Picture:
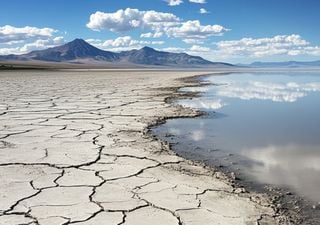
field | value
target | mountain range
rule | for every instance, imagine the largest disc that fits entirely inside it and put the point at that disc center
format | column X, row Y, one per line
column 287, row 64
column 79, row 52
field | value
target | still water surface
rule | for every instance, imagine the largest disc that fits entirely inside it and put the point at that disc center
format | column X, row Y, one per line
column 270, row 121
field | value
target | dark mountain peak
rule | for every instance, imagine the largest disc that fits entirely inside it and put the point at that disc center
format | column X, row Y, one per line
column 147, row 49
column 78, row 40
column 74, row 50
column 78, row 44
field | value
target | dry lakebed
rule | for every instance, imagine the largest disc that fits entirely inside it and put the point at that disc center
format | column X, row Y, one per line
column 76, row 148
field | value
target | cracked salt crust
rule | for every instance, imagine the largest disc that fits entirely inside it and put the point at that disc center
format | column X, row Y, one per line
column 73, row 149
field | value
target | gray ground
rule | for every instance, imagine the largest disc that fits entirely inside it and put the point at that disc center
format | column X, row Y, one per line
column 73, row 149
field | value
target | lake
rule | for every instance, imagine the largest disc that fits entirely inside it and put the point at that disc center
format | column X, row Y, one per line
column 265, row 125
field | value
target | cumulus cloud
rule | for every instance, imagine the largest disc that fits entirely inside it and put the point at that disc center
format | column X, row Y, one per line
column 173, row 49
column 174, row 2
column 203, row 11
column 197, row 48
column 129, row 19
column 198, row 1
column 193, row 41
column 42, row 44
column 151, row 35
column 247, row 49
column 193, row 50
column 146, row 35
column 121, row 43
column 193, row 29
column 10, row 34
column 291, row 45
column 32, row 46
column 20, row 40
column 155, row 23
column 12, row 50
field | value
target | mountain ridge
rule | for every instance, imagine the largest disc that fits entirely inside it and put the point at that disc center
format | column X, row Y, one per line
column 283, row 64
column 79, row 51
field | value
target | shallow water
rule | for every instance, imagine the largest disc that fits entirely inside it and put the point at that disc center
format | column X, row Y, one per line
column 266, row 124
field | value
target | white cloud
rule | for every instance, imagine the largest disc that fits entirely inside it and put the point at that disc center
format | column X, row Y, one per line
column 193, row 29
column 121, row 43
column 277, row 48
column 151, row 35
column 291, row 45
column 32, row 46
column 42, row 44
column 193, row 50
column 129, row 19
column 8, row 51
column 9, row 34
column 198, row 1
column 193, row 41
column 203, row 11
column 197, row 48
column 174, row 2
column 146, row 35
column 173, row 49
column 22, row 40
column 156, row 24
column 157, row 34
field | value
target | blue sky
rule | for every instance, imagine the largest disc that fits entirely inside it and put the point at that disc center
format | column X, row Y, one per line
column 226, row 30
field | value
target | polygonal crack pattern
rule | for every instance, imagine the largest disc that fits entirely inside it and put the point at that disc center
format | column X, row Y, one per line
column 73, row 150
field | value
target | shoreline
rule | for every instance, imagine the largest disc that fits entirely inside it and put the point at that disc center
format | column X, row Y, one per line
column 81, row 152
column 193, row 81
column 296, row 208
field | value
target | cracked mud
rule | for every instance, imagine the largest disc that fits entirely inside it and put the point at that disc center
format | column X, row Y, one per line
column 74, row 150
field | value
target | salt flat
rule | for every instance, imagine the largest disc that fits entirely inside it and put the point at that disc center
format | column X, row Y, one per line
column 74, row 148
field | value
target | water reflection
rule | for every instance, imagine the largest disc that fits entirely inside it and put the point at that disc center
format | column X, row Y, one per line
column 212, row 104
column 294, row 165
column 270, row 120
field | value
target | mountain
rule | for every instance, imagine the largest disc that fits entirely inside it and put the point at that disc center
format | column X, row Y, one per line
column 288, row 64
column 149, row 56
column 79, row 51
column 74, row 50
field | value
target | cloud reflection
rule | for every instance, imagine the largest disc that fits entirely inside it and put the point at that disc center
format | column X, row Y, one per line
column 203, row 103
column 276, row 92
column 247, row 90
column 296, row 166
column 197, row 135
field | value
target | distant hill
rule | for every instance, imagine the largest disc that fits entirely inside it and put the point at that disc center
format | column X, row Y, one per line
column 79, row 51
column 288, row 64
column 150, row 56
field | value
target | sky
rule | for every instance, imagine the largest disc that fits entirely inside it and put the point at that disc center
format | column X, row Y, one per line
column 235, row 31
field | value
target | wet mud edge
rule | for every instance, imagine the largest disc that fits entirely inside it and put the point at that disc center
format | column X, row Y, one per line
column 295, row 209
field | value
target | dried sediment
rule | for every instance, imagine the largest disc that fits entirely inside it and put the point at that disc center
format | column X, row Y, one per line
column 74, row 149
